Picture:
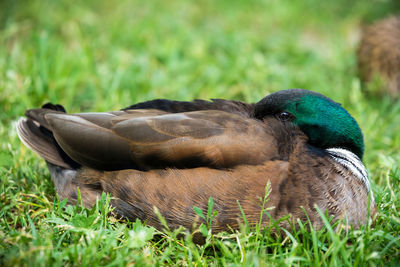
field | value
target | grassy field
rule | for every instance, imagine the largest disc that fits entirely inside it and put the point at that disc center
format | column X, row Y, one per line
column 100, row 55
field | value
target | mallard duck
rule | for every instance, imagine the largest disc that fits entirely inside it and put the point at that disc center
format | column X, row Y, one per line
column 175, row 155
column 379, row 54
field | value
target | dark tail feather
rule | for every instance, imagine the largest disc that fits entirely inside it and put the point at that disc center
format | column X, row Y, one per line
column 38, row 114
column 34, row 132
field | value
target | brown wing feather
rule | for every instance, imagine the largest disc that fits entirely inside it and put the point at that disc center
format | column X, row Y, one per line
column 90, row 144
column 201, row 138
column 150, row 140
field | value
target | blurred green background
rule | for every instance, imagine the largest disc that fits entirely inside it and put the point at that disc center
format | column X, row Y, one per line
column 99, row 55
column 109, row 54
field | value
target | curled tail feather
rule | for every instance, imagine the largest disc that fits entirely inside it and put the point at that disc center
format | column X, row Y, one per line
column 34, row 133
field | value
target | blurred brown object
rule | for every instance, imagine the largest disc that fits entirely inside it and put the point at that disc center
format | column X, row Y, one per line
column 378, row 54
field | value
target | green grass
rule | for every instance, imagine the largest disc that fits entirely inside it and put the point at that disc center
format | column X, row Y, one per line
column 103, row 55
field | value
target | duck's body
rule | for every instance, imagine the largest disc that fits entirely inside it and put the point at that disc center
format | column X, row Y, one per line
column 379, row 54
column 176, row 155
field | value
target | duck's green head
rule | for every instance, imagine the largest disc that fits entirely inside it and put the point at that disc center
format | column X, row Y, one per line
column 326, row 123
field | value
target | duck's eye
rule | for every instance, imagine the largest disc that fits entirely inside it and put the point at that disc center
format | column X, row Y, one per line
column 284, row 116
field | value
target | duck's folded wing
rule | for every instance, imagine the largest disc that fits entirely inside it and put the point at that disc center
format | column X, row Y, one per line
column 146, row 139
